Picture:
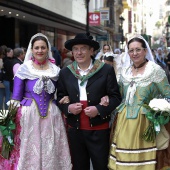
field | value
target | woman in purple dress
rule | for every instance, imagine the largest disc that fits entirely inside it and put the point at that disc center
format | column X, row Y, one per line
column 40, row 141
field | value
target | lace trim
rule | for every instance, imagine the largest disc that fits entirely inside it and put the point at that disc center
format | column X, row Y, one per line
column 44, row 83
column 152, row 73
column 27, row 71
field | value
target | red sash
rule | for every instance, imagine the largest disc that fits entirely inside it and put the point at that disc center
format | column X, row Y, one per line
column 85, row 122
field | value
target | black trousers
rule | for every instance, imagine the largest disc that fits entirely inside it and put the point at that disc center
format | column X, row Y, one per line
column 89, row 144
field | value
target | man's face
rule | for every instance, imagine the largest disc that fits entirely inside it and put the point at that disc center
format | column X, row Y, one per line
column 82, row 53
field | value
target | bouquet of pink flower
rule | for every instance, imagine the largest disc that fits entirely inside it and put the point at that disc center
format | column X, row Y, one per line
column 158, row 114
column 7, row 126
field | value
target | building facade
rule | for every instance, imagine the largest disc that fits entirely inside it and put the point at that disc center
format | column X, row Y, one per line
column 59, row 20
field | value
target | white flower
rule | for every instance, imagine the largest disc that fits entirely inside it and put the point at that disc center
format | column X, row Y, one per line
column 159, row 104
column 3, row 114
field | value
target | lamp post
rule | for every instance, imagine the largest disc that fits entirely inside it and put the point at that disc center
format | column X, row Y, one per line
column 87, row 16
column 121, row 29
column 167, row 34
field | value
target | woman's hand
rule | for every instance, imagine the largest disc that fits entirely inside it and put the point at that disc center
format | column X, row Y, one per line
column 104, row 101
column 64, row 100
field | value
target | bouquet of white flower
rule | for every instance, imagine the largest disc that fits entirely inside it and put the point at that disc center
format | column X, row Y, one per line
column 159, row 114
column 7, row 126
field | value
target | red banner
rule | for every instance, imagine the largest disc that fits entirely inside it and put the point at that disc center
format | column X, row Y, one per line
column 94, row 18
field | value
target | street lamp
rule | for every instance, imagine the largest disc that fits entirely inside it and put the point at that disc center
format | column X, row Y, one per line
column 87, row 16
column 167, row 34
column 121, row 29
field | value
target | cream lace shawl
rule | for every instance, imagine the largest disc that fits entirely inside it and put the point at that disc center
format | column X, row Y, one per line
column 152, row 73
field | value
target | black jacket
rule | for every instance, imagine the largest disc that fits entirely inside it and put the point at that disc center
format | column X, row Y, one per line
column 99, row 85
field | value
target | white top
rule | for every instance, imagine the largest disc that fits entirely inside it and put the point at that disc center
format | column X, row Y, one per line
column 82, row 89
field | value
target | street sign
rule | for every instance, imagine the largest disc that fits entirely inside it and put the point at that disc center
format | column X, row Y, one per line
column 101, row 37
column 104, row 14
column 94, row 18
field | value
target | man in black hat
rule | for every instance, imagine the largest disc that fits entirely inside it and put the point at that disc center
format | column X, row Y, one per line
column 86, row 81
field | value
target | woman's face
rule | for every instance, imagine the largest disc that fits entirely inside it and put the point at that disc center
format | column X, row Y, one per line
column 137, row 53
column 106, row 48
column 40, row 50
column 10, row 53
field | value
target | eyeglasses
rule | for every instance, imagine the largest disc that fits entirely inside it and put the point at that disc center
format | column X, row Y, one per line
column 82, row 49
column 137, row 50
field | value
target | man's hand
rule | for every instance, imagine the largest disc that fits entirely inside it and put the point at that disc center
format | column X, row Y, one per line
column 75, row 108
column 91, row 111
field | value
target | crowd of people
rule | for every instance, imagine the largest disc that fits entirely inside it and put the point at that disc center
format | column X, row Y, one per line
column 84, row 108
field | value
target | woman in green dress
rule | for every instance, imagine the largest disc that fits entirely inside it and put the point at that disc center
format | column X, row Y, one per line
column 139, row 83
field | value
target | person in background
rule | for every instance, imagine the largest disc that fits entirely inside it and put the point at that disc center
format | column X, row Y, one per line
column 165, row 53
column 18, row 58
column 4, row 49
column 2, row 87
column 68, row 60
column 139, row 83
column 168, row 62
column 63, row 55
column 160, row 58
column 105, row 48
column 164, row 66
column 86, row 81
column 40, row 140
column 120, row 61
column 24, row 50
column 109, row 58
column 117, row 51
column 56, row 56
column 154, row 55
column 8, row 74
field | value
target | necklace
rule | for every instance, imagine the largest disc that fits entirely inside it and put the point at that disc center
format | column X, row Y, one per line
column 40, row 64
column 141, row 65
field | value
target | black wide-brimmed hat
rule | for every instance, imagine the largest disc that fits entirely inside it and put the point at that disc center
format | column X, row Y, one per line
column 82, row 38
